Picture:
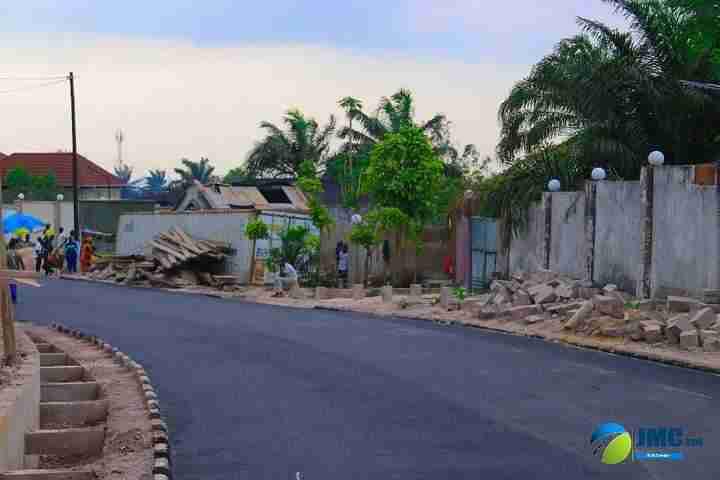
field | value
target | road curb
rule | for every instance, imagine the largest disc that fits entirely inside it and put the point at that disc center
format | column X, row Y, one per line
column 140, row 287
column 587, row 345
column 160, row 437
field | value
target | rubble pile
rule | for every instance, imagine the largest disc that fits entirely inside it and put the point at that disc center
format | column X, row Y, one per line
column 177, row 260
column 587, row 310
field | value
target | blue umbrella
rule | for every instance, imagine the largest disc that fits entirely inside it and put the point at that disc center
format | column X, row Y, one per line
column 20, row 220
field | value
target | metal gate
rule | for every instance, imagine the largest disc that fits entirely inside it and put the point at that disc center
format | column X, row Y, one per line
column 483, row 245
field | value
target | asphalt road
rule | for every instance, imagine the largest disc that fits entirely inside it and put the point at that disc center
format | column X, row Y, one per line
column 260, row 392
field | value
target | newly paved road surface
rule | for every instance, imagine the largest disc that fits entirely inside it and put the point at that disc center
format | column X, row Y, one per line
column 260, row 392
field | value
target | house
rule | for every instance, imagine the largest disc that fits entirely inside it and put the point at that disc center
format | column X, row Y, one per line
column 263, row 196
column 95, row 183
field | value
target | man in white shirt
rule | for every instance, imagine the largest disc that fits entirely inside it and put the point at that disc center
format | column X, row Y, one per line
column 288, row 280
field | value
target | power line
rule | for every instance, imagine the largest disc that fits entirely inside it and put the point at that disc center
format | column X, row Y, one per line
column 32, row 87
column 21, row 78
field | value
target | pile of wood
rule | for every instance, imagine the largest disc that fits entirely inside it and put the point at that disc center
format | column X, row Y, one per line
column 177, row 260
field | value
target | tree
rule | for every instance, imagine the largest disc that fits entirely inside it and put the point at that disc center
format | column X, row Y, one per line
column 281, row 153
column 405, row 175
column 201, row 171
column 255, row 230
column 366, row 235
column 615, row 96
column 124, row 172
column 34, row 187
column 236, row 175
column 311, row 186
column 18, row 179
column 156, row 181
column 705, row 19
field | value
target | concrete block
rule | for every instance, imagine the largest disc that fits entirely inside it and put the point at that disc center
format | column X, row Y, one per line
column 75, row 414
column 416, row 290
column 566, row 291
column 519, row 313
column 486, row 314
column 387, row 294
column 533, row 319
column 588, row 293
column 296, row 292
column 358, row 291
column 445, row 295
column 647, row 305
column 563, row 308
column 580, row 316
column 711, row 343
column 690, row 339
column 680, row 304
column 703, row 319
column 711, row 296
column 609, row 306
column 614, row 331
column 521, row 299
column 62, row 374
column 546, row 294
column 45, row 348
column 69, row 392
column 676, row 326
column 321, row 293
column 66, row 442
column 161, row 466
column 53, row 359
column 55, row 474
column 610, row 288
column 651, row 332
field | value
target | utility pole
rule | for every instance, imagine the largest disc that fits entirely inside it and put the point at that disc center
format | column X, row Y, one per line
column 76, row 189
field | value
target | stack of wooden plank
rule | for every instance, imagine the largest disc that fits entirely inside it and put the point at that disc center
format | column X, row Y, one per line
column 176, row 260
column 175, row 249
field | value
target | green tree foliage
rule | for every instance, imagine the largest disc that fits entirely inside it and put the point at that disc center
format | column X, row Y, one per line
column 615, row 96
column 237, row 174
column 366, row 235
column 34, row 187
column 257, row 230
column 704, row 20
column 405, row 173
column 312, row 187
column 281, row 153
column 201, row 171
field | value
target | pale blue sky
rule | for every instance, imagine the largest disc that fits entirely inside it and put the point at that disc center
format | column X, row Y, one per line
column 189, row 77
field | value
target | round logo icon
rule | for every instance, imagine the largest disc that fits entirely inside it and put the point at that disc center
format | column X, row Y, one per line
column 612, row 442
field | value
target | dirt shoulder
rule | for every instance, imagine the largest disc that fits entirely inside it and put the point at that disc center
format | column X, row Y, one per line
column 550, row 329
column 127, row 453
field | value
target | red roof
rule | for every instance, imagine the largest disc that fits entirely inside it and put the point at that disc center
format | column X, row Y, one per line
column 60, row 164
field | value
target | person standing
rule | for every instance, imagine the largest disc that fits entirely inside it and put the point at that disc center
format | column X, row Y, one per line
column 343, row 258
column 86, row 254
column 71, row 253
column 38, row 253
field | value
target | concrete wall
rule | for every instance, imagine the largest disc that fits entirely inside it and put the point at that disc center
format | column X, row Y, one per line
column 136, row 229
column 568, row 248
column 526, row 251
column 686, row 233
column 618, row 234
column 20, row 410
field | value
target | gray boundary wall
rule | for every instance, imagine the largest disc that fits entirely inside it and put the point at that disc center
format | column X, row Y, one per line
column 618, row 234
column 686, row 237
column 568, row 247
column 685, row 242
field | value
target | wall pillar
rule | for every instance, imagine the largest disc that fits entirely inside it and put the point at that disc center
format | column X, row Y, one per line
column 590, row 228
column 647, row 185
column 548, row 228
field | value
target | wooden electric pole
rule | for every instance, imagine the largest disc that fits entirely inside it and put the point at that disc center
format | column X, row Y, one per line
column 76, row 189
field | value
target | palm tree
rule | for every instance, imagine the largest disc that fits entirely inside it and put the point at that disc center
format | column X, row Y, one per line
column 201, row 171
column 124, row 172
column 614, row 96
column 282, row 152
column 156, row 181
column 352, row 107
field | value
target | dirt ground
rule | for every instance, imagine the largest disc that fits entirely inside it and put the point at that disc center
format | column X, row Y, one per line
column 127, row 453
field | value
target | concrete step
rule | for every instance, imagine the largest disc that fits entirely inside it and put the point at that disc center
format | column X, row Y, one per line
column 69, row 392
column 62, row 374
column 75, row 414
column 48, row 475
column 46, row 348
column 53, row 359
column 65, row 442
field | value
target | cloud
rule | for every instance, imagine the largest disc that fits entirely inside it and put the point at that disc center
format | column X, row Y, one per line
column 173, row 99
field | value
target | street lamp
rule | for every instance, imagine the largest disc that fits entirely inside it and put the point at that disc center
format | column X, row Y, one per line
column 356, row 219
column 656, row 158
column 598, row 174
column 21, row 196
column 554, row 185
column 60, row 197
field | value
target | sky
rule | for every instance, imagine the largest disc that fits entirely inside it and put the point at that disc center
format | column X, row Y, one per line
column 184, row 78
